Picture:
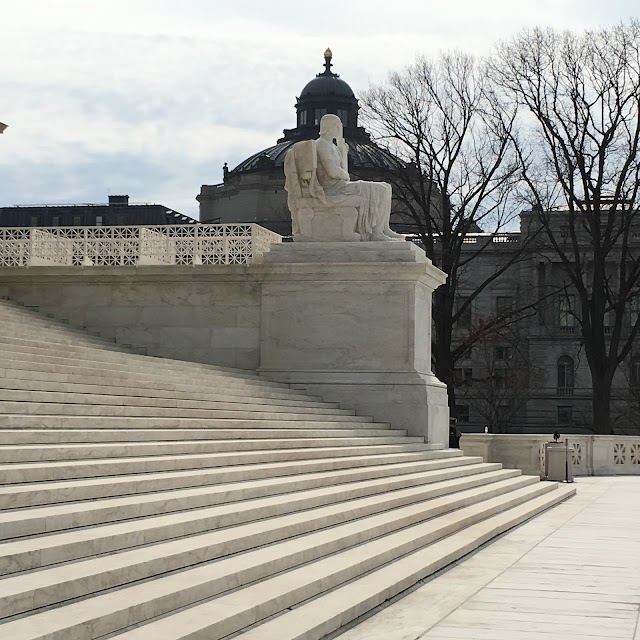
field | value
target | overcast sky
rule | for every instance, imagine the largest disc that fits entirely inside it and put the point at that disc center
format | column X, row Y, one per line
column 150, row 97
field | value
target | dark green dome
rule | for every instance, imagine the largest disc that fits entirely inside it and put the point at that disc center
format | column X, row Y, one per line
column 324, row 86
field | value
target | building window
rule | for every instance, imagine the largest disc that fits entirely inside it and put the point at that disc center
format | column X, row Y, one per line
column 318, row 113
column 566, row 376
column 504, row 304
column 343, row 114
column 634, row 307
column 77, row 221
column 502, row 353
column 462, row 412
column 34, row 221
column 566, row 313
column 500, row 377
column 565, row 416
column 463, row 376
column 464, row 319
column 98, row 221
column 635, row 371
column 303, row 117
column 55, row 221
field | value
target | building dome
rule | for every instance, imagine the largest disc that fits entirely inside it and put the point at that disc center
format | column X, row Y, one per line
column 362, row 155
column 326, row 86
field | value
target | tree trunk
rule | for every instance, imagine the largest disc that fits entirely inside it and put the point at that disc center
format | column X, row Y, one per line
column 602, row 405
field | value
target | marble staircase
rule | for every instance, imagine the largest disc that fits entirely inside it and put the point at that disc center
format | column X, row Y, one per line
column 145, row 498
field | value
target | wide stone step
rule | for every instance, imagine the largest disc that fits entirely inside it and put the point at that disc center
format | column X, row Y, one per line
column 70, row 408
column 146, row 371
column 345, row 484
column 185, row 394
column 98, row 353
column 46, row 471
column 38, row 551
column 43, row 421
column 120, row 450
column 97, row 399
column 329, row 612
column 9, row 378
column 40, row 493
column 30, row 437
column 342, row 524
column 267, row 580
column 46, row 352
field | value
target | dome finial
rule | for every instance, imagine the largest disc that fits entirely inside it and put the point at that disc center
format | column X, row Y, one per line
column 327, row 61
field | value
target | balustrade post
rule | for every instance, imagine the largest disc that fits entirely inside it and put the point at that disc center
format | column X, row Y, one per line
column 197, row 257
column 86, row 260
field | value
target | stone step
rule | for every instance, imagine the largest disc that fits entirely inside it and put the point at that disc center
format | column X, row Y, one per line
column 125, row 449
column 99, row 399
column 148, row 393
column 39, row 551
column 315, row 619
column 145, row 371
column 66, row 407
column 43, row 346
column 39, row 493
column 267, row 580
column 9, row 376
column 340, row 525
column 48, row 352
column 44, row 421
column 347, row 483
column 32, row 437
column 17, row 472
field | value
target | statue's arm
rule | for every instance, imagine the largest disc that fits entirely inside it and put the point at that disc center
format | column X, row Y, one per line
column 330, row 166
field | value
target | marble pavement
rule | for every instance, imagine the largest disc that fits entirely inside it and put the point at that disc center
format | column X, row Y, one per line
column 572, row 573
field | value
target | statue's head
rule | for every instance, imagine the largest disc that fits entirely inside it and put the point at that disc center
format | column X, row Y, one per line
column 331, row 125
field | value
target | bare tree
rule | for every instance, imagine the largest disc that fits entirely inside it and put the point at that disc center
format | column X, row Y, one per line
column 502, row 379
column 457, row 139
column 580, row 99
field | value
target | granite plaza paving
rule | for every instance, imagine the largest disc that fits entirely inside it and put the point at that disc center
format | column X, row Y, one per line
column 571, row 573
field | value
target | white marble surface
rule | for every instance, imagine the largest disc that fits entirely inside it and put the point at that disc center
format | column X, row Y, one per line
column 572, row 573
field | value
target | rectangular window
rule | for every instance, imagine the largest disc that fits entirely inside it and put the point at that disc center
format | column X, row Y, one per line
column 499, row 377
column 98, row 221
column 504, row 304
column 502, row 353
column 303, row 117
column 343, row 114
column 34, row 221
column 317, row 115
column 634, row 307
column 463, row 376
column 464, row 319
column 566, row 312
column 77, row 221
column 55, row 221
column 565, row 415
column 462, row 412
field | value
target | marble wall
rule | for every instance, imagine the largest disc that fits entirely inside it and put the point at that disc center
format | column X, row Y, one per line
column 205, row 314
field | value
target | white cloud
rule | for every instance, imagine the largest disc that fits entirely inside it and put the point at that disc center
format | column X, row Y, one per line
column 153, row 96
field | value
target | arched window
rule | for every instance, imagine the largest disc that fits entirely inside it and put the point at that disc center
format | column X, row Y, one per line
column 566, row 376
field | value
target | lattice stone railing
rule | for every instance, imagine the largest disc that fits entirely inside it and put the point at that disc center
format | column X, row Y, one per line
column 592, row 455
column 195, row 244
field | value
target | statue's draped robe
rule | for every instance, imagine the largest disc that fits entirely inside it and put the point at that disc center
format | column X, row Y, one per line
column 375, row 197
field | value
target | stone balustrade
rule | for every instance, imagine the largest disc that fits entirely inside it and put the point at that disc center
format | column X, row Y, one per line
column 592, row 455
column 133, row 245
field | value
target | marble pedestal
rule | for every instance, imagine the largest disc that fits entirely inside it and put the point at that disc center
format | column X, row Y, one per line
column 351, row 321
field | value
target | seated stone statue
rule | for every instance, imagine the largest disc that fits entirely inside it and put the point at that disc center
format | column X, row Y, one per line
column 325, row 204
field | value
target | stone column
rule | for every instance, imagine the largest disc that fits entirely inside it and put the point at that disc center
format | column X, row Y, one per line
column 351, row 321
